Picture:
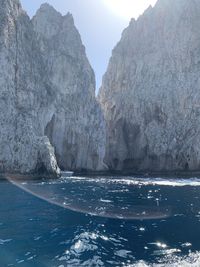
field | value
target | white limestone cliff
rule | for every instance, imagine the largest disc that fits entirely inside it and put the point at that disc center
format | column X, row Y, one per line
column 151, row 91
column 77, row 127
column 25, row 97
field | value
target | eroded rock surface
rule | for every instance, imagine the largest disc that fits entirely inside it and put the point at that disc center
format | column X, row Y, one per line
column 26, row 97
column 77, row 128
column 151, row 91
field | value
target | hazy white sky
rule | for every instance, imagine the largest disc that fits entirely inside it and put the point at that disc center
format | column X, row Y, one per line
column 100, row 23
column 127, row 9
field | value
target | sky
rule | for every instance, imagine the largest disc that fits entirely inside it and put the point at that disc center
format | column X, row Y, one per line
column 100, row 23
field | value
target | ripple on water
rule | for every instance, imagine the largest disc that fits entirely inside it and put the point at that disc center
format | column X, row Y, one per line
column 123, row 253
column 91, row 248
column 3, row 241
column 83, row 243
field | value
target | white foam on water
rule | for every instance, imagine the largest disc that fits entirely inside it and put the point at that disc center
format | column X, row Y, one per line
column 130, row 181
column 193, row 260
column 141, row 181
column 106, row 200
column 187, row 244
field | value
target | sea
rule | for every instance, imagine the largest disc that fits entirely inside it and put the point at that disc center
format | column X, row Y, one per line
column 123, row 221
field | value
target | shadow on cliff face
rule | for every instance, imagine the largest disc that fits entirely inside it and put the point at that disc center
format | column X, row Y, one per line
column 130, row 150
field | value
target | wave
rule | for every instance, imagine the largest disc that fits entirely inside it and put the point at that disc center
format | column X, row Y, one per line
column 141, row 181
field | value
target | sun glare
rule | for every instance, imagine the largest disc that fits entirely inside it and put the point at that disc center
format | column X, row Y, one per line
column 128, row 9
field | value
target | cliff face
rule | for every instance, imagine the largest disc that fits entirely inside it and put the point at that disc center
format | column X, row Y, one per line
column 151, row 91
column 25, row 96
column 77, row 127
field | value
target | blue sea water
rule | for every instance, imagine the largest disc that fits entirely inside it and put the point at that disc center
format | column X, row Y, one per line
column 102, row 221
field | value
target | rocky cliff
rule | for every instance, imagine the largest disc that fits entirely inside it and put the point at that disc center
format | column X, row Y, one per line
column 151, row 91
column 25, row 97
column 77, row 128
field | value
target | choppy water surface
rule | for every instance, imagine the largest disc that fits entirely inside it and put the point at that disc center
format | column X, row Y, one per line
column 103, row 221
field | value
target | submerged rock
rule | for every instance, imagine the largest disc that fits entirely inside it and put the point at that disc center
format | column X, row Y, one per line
column 26, row 97
column 77, row 128
column 151, row 91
